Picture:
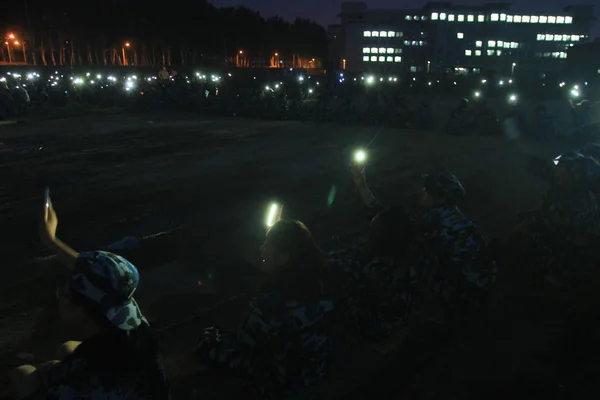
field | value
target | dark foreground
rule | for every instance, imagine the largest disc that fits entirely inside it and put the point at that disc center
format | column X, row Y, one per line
column 119, row 175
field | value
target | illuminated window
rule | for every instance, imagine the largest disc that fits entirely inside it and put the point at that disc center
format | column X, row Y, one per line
column 541, row 36
column 575, row 38
column 413, row 43
column 543, row 19
column 374, row 50
column 381, row 59
column 499, row 43
column 382, row 50
column 470, row 18
column 434, row 16
column 416, row 18
column 535, row 19
column 514, row 45
column 442, row 16
column 490, row 52
column 509, row 18
column 406, row 43
column 548, row 37
column 383, row 34
column 498, row 52
column 373, row 58
column 397, row 59
column 390, row 50
column 491, row 43
column 478, row 43
column 555, row 54
column 389, row 59
column 451, row 17
column 398, row 51
column 566, row 38
column 560, row 20
column 408, row 17
column 517, row 19
column 460, row 35
column 424, row 18
column 563, row 55
column 502, row 17
column 399, row 34
column 494, row 17
column 367, row 33
column 366, row 50
column 481, row 18
column 557, row 38
column 420, row 43
column 391, row 34
column 551, row 20
column 526, row 19
column 366, row 58
column 477, row 52
column 468, row 52
column 375, row 34
column 568, row 20
column 461, row 18
column 506, row 45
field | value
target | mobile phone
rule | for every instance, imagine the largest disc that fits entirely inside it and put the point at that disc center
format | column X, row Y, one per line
column 360, row 156
column 47, row 197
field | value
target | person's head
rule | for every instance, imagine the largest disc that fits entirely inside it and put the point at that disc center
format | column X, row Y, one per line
column 99, row 294
column 164, row 67
column 390, row 232
column 289, row 242
column 442, row 188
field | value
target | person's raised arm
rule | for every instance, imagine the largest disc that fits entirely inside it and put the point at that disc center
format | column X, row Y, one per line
column 371, row 204
column 48, row 226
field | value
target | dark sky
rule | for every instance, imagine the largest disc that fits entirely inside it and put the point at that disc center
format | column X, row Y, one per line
column 325, row 11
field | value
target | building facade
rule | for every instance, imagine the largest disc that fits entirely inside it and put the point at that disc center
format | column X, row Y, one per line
column 440, row 36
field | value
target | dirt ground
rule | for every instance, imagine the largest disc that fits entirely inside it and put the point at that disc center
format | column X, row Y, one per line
column 116, row 175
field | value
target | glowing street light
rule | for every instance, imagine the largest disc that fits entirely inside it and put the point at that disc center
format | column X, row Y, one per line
column 512, row 71
column 126, row 44
column 17, row 43
column 241, row 52
column 11, row 36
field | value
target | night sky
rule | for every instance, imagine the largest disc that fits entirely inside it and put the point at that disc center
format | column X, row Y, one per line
column 325, row 11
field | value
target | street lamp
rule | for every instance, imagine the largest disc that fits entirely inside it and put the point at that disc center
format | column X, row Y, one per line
column 127, row 44
column 11, row 36
column 512, row 71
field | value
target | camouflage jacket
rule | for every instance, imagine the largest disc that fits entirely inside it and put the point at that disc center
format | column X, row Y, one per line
column 282, row 345
column 452, row 248
column 375, row 296
column 101, row 369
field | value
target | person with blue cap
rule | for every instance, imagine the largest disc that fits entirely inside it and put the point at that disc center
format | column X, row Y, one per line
column 449, row 253
column 560, row 236
column 118, row 357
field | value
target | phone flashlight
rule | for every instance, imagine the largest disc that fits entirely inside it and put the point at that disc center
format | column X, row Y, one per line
column 556, row 160
column 274, row 214
column 360, row 156
column 47, row 197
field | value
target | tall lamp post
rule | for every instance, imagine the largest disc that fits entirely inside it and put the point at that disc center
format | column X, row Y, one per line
column 126, row 44
column 512, row 71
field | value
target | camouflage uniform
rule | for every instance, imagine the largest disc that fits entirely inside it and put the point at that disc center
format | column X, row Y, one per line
column 564, row 231
column 376, row 295
column 283, row 346
column 453, row 255
column 106, row 366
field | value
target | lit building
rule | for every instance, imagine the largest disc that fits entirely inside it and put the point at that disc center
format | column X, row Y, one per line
column 443, row 35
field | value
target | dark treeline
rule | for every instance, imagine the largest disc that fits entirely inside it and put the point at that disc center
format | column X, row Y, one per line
column 96, row 30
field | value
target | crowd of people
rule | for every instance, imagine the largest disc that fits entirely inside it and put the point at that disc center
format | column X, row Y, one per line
column 293, row 95
column 366, row 288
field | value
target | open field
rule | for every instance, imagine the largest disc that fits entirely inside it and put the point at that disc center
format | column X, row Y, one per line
column 116, row 175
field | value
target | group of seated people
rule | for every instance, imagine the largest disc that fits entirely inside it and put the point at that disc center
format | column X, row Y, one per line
column 285, row 345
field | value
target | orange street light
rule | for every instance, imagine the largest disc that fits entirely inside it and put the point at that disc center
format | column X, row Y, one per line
column 127, row 44
column 241, row 52
column 276, row 54
column 17, row 43
column 11, row 36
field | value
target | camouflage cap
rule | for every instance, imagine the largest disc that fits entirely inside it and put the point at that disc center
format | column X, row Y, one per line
column 582, row 168
column 110, row 281
column 591, row 150
column 443, row 184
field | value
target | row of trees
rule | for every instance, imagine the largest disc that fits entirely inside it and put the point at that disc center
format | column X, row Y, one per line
column 70, row 32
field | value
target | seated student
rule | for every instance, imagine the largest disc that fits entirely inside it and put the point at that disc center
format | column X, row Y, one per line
column 451, row 255
column 376, row 279
column 561, row 235
column 283, row 345
column 118, row 357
